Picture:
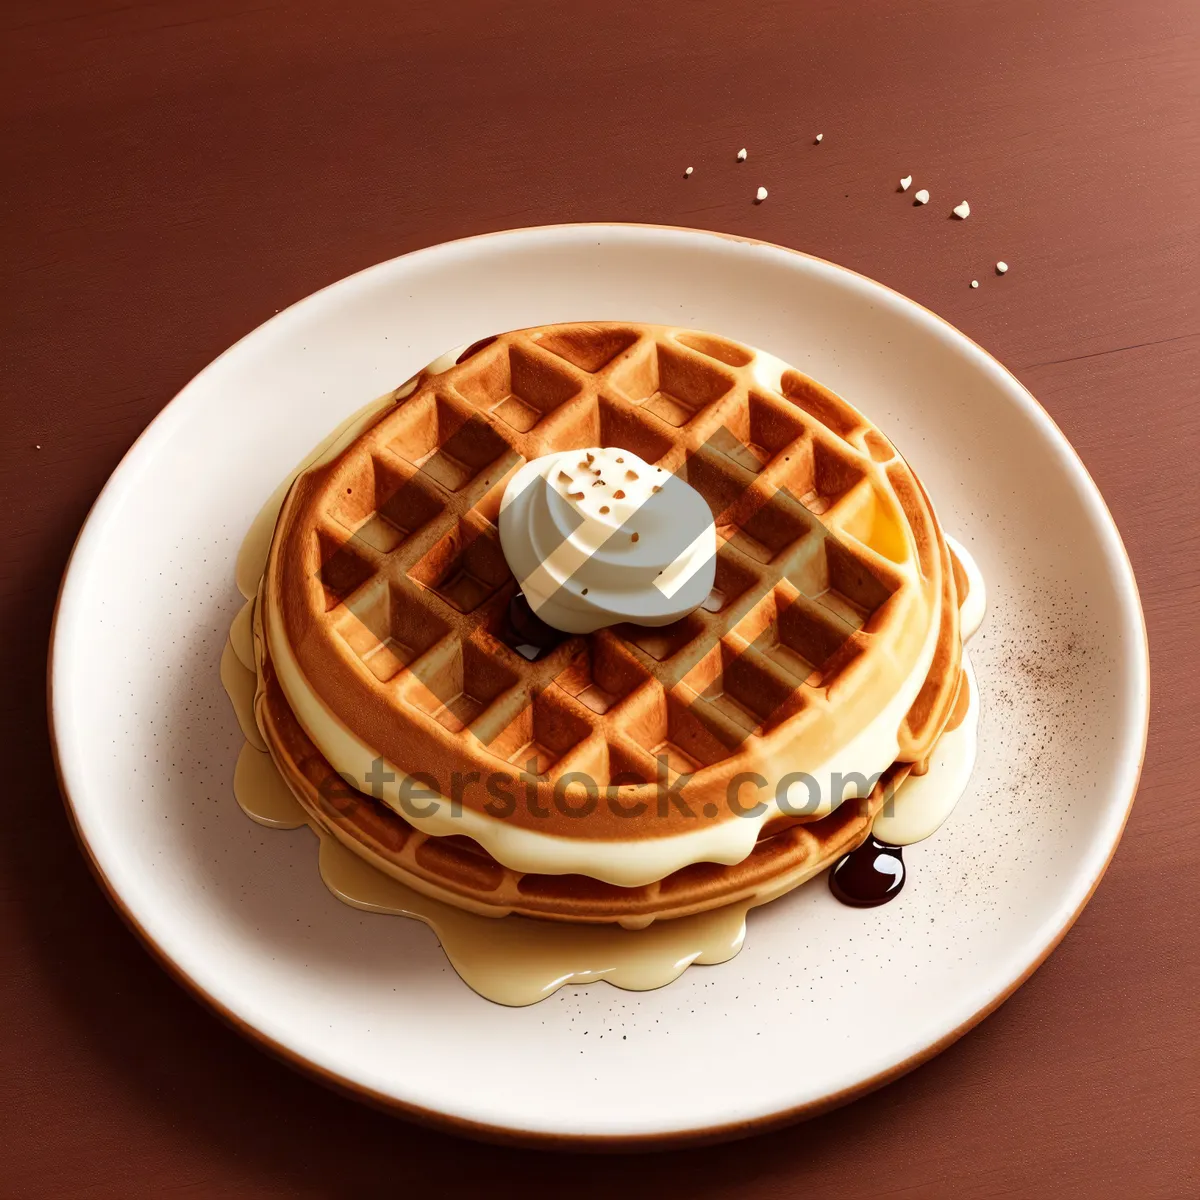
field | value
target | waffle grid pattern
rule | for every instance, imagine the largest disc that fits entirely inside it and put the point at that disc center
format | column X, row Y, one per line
column 827, row 546
column 413, row 579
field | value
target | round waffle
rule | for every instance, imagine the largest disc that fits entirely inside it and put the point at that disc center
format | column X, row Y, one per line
column 386, row 638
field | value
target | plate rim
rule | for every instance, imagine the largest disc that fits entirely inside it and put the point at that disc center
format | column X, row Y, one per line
column 547, row 1139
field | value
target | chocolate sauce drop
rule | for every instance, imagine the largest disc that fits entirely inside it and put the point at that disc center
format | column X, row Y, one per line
column 872, row 874
column 527, row 633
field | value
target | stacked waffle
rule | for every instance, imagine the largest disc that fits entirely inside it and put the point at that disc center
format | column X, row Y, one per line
column 634, row 773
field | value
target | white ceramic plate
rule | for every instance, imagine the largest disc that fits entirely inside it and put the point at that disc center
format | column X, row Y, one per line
column 824, row 1001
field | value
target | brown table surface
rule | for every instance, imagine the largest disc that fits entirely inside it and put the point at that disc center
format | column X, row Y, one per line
column 177, row 171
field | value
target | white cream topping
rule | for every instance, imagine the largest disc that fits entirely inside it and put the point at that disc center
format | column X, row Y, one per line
column 599, row 536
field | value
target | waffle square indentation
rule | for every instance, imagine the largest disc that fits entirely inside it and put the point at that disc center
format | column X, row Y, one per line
column 343, row 568
column 770, row 529
column 825, row 570
column 388, row 627
column 601, row 676
column 673, row 731
column 670, row 383
column 819, row 476
column 757, row 431
column 448, row 441
column 632, row 429
column 829, row 409
column 738, row 690
column 664, row 641
column 456, row 682
column 465, row 569
column 732, row 580
column 796, row 636
column 384, row 505
column 543, row 731
column 589, row 347
column 516, row 385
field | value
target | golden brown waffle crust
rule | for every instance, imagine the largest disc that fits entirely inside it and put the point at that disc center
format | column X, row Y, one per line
column 389, row 587
column 459, row 872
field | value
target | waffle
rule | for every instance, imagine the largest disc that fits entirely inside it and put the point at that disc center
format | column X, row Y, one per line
column 387, row 590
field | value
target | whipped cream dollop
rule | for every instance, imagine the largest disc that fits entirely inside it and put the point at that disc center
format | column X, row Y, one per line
column 599, row 536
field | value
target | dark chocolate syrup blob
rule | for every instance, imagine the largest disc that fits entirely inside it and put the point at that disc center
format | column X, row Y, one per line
column 868, row 876
column 527, row 633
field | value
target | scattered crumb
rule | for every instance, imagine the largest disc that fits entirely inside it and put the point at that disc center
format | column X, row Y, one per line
column 741, row 155
column 819, row 137
column 37, row 447
column 760, row 195
column 906, row 183
column 974, row 282
column 962, row 211
column 688, row 171
column 1001, row 267
column 922, row 197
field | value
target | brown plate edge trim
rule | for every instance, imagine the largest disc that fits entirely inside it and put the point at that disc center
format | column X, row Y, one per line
column 601, row 1143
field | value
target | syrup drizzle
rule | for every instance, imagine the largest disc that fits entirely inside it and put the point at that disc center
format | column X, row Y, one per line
column 871, row 875
column 527, row 633
column 510, row 960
